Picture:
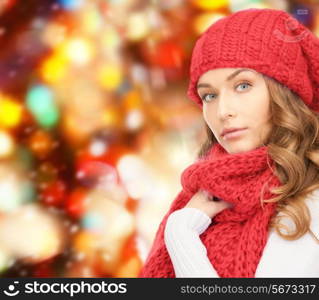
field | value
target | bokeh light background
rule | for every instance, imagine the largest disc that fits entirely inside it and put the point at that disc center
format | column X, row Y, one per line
column 96, row 127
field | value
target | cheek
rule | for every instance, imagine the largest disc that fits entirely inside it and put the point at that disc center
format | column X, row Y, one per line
column 260, row 115
column 264, row 113
column 259, row 111
column 260, row 118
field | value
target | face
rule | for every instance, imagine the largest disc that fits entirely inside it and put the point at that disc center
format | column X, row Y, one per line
column 236, row 98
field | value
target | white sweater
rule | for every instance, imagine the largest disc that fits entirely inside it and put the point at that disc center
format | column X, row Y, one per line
column 280, row 258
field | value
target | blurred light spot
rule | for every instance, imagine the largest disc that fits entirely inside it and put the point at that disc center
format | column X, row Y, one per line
column 54, row 69
column 10, row 112
column 92, row 20
column 96, row 174
column 203, row 21
column 135, row 175
column 139, row 73
column 98, row 147
column 110, row 38
column 110, row 116
column 7, row 145
column 211, row 5
column 92, row 221
column 31, row 234
column 40, row 101
column 138, row 26
column 134, row 119
column 110, row 76
column 71, row 4
column 79, row 51
column 10, row 193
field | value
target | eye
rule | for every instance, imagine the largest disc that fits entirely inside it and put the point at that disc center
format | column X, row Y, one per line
column 246, row 85
column 204, row 98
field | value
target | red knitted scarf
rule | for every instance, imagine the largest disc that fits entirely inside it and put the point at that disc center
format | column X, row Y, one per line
column 237, row 236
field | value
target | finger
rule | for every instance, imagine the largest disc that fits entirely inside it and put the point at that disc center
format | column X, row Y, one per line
column 223, row 204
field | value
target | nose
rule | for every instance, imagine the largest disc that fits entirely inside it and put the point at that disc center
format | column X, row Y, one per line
column 226, row 107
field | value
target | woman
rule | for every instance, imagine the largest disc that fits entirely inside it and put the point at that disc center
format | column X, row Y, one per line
column 256, row 71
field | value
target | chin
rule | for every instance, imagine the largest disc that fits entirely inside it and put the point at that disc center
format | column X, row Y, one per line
column 237, row 147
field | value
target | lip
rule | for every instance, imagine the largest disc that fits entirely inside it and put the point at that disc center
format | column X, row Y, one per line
column 234, row 134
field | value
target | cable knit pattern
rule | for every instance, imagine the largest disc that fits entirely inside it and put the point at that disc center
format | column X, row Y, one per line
column 187, row 253
column 237, row 236
column 196, row 219
column 269, row 41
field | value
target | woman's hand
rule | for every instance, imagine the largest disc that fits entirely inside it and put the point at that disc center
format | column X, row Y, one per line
column 203, row 201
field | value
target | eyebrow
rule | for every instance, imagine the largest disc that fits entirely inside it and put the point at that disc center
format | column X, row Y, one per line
column 230, row 77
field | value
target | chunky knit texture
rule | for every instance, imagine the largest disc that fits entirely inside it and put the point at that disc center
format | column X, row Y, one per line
column 236, row 237
column 269, row 41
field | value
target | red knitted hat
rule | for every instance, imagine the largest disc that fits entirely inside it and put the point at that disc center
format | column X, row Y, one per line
column 269, row 41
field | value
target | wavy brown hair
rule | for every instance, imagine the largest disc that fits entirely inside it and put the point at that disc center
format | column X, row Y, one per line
column 294, row 147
